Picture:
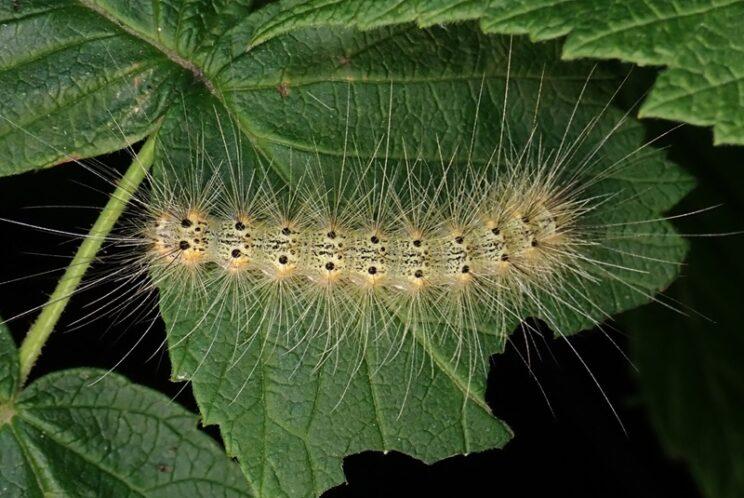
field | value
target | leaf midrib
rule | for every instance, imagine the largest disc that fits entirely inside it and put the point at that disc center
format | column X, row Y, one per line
column 20, row 62
column 37, row 472
column 381, row 80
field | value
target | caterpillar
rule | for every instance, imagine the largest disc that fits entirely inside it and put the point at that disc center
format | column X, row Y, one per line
column 439, row 253
column 380, row 255
column 328, row 262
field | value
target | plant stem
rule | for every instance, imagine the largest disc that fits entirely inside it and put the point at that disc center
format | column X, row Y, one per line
column 44, row 325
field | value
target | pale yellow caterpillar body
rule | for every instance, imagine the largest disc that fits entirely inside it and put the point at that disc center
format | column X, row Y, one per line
column 445, row 253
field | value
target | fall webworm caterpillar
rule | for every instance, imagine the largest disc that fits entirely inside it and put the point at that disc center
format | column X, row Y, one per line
column 467, row 248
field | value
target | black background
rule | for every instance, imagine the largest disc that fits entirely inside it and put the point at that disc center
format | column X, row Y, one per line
column 578, row 449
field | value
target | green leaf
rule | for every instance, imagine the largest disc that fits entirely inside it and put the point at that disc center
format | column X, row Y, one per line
column 365, row 14
column 698, row 41
column 291, row 426
column 73, row 86
column 87, row 432
column 80, row 78
column 184, row 31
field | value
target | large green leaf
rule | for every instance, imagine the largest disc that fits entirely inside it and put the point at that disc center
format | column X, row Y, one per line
column 79, row 78
column 291, row 100
column 699, row 41
column 87, row 432
column 73, row 86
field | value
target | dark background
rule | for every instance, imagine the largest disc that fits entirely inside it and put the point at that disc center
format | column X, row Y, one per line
column 578, row 449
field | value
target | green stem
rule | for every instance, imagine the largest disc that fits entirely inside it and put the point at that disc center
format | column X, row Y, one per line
column 52, row 310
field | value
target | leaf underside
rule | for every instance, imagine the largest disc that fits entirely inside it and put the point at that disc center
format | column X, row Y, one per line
column 698, row 41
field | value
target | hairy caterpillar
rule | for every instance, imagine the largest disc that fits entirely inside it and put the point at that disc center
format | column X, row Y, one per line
column 351, row 264
column 374, row 254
